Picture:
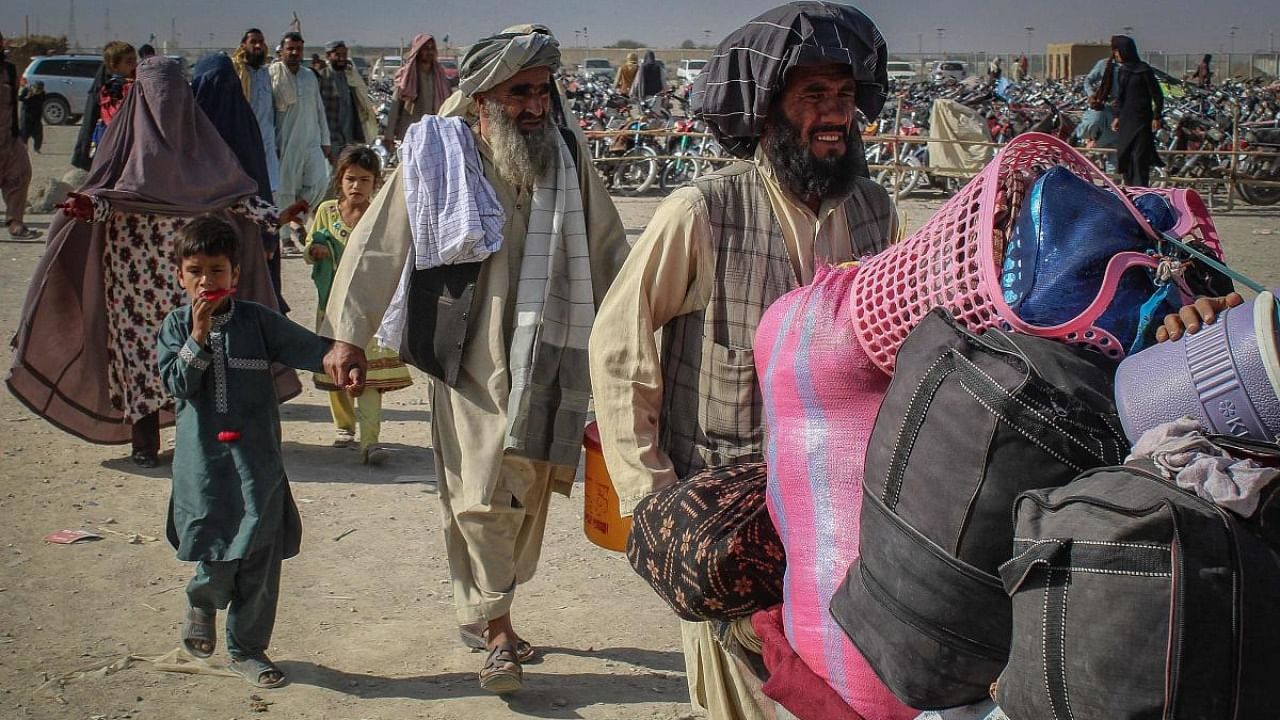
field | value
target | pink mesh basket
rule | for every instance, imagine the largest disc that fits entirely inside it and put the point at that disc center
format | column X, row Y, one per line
column 952, row 261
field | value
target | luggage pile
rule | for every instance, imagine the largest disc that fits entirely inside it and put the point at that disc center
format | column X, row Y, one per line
column 1051, row 516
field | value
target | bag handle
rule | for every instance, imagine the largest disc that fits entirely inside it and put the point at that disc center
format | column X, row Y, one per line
column 1215, row 264
column 1015, row 572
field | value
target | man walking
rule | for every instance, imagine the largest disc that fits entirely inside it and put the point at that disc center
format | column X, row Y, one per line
column 250, row 63
column 346, row 102
column 302, row 133
column 718, row 253
column 15, row 164
column 505, row 333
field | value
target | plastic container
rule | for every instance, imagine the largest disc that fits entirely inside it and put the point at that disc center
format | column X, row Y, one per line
column 601, row 519
column 1227, row 376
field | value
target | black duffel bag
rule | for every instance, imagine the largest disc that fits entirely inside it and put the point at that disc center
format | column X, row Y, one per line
column 707, row 545
column 968, row 423
column 1133, row 598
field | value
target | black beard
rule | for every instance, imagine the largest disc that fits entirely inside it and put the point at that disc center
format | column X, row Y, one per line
column 805, row 175
column 255, row 60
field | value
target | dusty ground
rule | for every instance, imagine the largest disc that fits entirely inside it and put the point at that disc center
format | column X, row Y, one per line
column 366, row 626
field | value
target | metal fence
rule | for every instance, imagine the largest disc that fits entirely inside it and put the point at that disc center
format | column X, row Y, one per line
column 1225, row 65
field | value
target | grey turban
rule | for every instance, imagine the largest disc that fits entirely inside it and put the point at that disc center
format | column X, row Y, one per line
column 735, row 91
column 496, row 59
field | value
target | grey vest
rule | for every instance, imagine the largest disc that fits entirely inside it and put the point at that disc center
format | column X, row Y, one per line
column 711, row 405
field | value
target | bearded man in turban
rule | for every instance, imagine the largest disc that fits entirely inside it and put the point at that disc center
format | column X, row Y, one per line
column 501, row 326
column 782, row 93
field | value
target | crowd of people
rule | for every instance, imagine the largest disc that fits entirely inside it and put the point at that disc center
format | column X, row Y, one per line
column 491, row 257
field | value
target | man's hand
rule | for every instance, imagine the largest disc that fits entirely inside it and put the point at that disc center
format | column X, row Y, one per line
column 318, row 252
column 389, row 142
column 347, row 365
column 328, row 154
column 201, row 319
column 1189, row 319
column 1155, row 125
column 1115, row 125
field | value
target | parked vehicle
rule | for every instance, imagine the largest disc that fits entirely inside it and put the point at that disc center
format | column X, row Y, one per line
column 385, row 67
column 596, row 67
column 900, row 72
column 362, row 67
column 450, row 65
column 689, row 70
column 948, row 70
column 67, row 79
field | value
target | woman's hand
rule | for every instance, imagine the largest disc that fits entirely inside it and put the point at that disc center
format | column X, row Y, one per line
column 77, row 205
column 1189, row 319
column 292, row 212
column 318, row 252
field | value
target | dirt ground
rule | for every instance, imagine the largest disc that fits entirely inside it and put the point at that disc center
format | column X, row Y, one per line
column 366, row 627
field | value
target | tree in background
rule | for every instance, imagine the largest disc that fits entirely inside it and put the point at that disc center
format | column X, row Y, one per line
column 21, row 50
column 629, row 44
column 688, row 45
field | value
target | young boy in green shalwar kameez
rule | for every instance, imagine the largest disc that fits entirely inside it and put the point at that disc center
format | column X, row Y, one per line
column 231, row 511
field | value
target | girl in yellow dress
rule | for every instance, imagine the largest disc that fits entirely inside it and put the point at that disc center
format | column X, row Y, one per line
column 357, row 178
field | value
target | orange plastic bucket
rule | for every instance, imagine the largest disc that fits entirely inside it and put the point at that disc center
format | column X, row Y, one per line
column 601, row 521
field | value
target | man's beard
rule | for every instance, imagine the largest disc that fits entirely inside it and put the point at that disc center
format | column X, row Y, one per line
column 520, row 159
column 339, row 65
column 255, row 59
column 802, row 173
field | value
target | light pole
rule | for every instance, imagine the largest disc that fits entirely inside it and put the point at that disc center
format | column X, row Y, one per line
column 586, row 38
column 706, row 38
column 941, row 32
column 1127, row 30
column 1231, row 32
column 1030, row 31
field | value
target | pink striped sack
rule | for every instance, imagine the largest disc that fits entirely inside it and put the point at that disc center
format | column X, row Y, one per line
column 821, row 393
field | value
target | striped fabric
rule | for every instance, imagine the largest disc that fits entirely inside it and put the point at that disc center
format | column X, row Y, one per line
column 734, row 92
column 821, row 393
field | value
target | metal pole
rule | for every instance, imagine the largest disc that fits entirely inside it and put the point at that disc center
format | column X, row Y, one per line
column 1235, row 158
column 897, row 166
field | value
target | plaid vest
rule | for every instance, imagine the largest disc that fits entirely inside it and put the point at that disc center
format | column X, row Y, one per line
column 711, row 405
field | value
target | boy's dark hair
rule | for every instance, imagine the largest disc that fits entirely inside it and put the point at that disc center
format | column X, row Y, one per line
column 208, row 235
column 146, row 51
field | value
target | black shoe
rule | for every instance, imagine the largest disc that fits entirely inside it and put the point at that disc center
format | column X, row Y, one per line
column 144, row 459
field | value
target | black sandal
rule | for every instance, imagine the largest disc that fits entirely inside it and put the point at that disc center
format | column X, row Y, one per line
column 476, row 637
column 197, row 626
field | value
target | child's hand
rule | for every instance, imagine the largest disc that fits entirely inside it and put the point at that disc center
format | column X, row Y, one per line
column 318, row 252
column 201, row 319
column 77, row 205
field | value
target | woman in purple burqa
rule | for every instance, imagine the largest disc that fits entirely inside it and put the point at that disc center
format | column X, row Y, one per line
column 86, row 347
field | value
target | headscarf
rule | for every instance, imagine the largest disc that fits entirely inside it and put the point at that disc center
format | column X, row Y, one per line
column 215, row 84
column 1128, row 49
column 632, row 59
column 139, row 164
column 407, row 76
column 736, row 90
column 648, row 80
column 498, row 58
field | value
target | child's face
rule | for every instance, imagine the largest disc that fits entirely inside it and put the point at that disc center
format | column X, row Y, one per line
column 201, row 273
column 127, row 66
column 357, row 185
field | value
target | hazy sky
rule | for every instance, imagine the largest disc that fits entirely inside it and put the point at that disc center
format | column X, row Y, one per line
column 992, row 25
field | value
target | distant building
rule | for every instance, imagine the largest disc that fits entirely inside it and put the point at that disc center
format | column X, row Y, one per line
column 1064, row 61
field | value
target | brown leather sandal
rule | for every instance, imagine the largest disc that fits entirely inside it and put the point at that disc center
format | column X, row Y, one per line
column 502, row 673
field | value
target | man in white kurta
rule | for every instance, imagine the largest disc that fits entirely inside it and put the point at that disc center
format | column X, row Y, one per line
column 493, row 498
column 302, row 133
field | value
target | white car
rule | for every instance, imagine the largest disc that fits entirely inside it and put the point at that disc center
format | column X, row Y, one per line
column 944, row 70
column 385, row 67
column 596, row 67
column 689, row 70
column 900, row 72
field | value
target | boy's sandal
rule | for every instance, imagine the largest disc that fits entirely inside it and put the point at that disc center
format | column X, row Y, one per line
column 502, row 673
column 199, row 626
column 478, row 639
column 23, row 233
column 255, row 668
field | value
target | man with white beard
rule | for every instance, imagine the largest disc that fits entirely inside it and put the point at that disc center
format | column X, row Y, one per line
column 506, row 331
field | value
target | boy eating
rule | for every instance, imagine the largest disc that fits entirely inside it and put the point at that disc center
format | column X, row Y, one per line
column 231, row 511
